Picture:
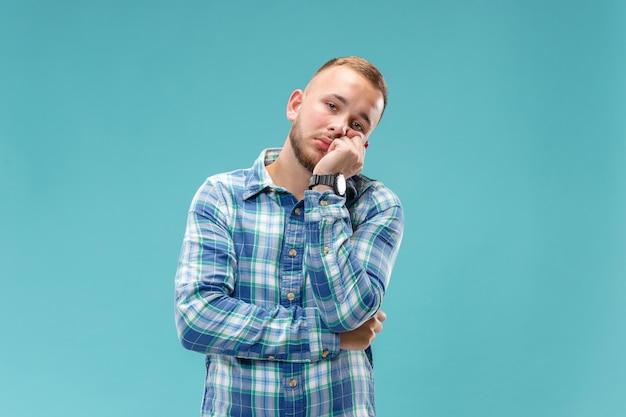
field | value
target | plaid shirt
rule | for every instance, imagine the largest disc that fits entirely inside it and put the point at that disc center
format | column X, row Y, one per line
column 266, row 282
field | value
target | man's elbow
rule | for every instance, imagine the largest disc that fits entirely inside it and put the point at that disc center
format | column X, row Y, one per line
column 349, row 320
column 193, row 340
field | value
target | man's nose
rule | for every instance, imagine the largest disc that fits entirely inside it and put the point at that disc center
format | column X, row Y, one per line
column 339, row 127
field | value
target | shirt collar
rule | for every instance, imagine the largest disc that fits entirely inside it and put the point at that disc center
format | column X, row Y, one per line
column 257, row 178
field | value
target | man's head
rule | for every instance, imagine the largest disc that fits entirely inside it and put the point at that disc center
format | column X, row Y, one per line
column 346, row 97
column 364, row 68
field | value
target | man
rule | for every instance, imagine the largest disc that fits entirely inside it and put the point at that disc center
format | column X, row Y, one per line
column 284, row 265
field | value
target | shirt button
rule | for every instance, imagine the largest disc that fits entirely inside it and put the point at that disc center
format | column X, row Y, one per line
column 293, row 383
column 292, row 252
column 323, row 203
column 326, row 249
column 324, row 353
column 271, row 357
column 297, row 211
column 291, row 296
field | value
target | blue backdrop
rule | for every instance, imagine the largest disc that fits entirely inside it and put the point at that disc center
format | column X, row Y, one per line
column 505, row 137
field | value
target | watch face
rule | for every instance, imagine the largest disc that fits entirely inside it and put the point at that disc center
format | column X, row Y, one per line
column 340, row 184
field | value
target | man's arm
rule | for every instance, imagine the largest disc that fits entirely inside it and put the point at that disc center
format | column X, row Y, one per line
column 350, row 260
column 364, row 335
column 350, row 268
column 209, row 320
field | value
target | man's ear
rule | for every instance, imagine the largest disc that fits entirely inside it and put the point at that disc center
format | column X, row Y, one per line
column 294, row 104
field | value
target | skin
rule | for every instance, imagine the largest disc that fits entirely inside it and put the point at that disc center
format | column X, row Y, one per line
column 332, row 120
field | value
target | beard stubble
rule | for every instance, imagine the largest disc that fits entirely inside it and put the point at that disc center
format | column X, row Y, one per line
column 308, row 161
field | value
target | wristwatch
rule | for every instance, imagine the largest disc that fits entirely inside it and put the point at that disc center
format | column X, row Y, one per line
column 337, row 181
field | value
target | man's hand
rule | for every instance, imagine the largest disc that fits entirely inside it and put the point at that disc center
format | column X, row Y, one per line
column 362, row 337
column 345, row 155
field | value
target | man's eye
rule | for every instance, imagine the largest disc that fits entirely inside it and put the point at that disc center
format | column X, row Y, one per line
column 331, row 106
column 357, row 126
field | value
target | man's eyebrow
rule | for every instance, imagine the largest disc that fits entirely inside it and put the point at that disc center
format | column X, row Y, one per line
column 341, row 98
column 345, row 101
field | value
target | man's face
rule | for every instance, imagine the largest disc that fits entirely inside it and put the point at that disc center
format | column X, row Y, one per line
column 337, row 102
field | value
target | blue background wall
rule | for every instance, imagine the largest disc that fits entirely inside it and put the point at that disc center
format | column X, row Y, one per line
column 505, row 137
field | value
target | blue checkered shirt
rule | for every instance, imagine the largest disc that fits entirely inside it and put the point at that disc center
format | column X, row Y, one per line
column 265, row 284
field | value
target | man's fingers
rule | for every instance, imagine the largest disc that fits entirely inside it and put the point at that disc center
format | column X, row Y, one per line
column 378, row 327
column 378, row 321
column 381, row 316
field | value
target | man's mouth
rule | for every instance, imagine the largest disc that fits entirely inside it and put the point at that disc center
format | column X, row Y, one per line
column 323, row 143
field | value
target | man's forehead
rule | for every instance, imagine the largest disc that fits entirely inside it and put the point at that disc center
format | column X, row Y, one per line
column 338, row 74
column 347, row 83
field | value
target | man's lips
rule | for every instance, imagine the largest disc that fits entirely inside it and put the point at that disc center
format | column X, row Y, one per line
column 323, row 143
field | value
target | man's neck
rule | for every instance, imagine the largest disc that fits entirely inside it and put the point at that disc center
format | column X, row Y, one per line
column 288, row 173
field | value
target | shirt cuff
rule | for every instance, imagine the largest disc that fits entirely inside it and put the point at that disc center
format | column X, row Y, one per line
column 323, row 205
column 326, row 344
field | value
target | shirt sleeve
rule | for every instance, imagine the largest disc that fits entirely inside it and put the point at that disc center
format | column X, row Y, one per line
column 350, row 258
column 210, row 321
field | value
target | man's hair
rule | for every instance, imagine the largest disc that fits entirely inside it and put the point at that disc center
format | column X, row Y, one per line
column 363, row 67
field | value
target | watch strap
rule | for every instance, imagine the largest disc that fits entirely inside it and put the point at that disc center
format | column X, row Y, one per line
column 322, row 180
